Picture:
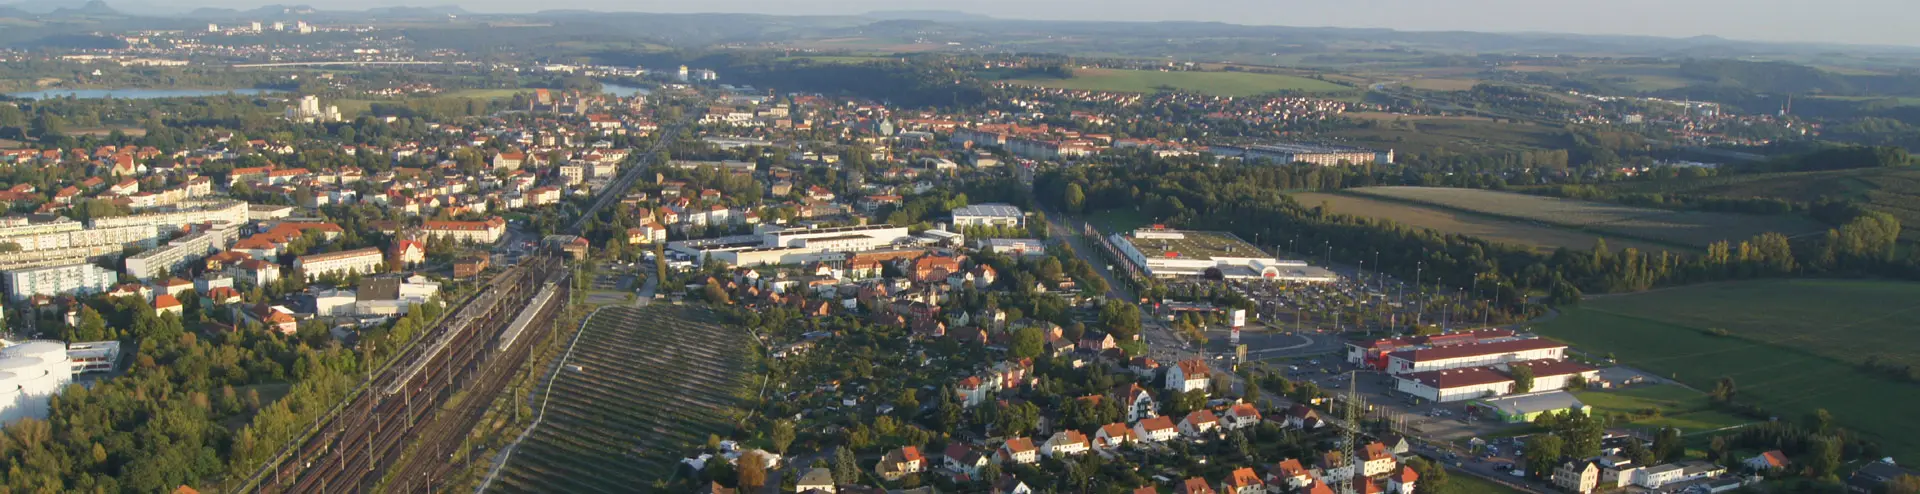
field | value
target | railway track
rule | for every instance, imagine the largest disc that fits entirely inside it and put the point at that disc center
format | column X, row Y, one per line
column 398, row 409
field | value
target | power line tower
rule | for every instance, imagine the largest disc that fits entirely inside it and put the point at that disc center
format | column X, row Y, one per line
column 1344, row 484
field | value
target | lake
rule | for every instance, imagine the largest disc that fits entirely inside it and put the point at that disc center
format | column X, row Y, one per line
column 623, row 91
column 136, row 93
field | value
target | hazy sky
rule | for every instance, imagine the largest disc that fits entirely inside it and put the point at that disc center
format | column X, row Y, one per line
column 1844, row 21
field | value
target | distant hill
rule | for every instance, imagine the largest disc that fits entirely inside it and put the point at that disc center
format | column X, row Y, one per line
column 927, row 15
column 91, row 8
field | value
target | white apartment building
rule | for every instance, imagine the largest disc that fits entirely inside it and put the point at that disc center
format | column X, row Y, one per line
column 343, row 263
column 77, row 279
column 478, row 232
column 190, row 213
column 176, row 254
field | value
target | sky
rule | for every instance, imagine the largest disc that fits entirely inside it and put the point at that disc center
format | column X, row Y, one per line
column 1881, row 22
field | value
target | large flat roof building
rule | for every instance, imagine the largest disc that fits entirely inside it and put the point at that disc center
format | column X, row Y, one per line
column 30, row 373
column 1306, row 153
column 774, row 245
column 1165, row 253
column 989, row 215
column 1472, row 355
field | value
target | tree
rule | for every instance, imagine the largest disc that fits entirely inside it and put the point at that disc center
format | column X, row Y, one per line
column 1076, row 199
column 1017, row 419
column 782, row 435
column 1433, row 476
column 1028, row 342
column 716, row 295
column 1667, row 445
column 1823, row 458
column 846, row 467
column 1522, row 378
column 753, row 471
column 1724, row 391
column 1820, row 421
column 1543, row 454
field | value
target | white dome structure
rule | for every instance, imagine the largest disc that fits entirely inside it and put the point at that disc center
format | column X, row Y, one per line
column 30, row 373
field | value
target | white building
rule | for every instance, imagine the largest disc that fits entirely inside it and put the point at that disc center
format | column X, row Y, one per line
column 176, row 254
column 989, row 215
column 775, row 245
column 75, row 279
column 1449, row 385
column 30, row 373
column 1188, row 375
column 343, row 263
column 308, row 109
column 185, row 213
column 93, row 356
column 477, row 232
column 1163, row 253
column 1473, row 355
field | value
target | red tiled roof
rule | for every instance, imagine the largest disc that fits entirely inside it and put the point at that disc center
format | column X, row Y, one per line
column 1476, row 349
column 1458, row 378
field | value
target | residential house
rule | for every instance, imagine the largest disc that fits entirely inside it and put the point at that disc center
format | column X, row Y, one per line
column 1017, row 450
column 963, row 459
column 1289, row 475
column 816, row 480
column 1065, row 443
column 1137, row 402
column 1155, row 429
column 1243, row 481
column 1199, row 423
column 899, row 463
column 1300, row 416
column 1008, row 484
column 1768, row 461
column 1111, row 436
column 1189, row 375
column 1403, row 482
column 1577, row 476
column 1240, row 416
column 1196, row 485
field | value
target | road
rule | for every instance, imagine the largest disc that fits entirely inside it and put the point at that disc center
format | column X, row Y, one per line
column 618, row 188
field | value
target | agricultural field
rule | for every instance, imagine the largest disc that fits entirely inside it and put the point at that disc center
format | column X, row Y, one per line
column 1540, row 237
column 650, row 383
column 1894, row 191
column 1791, row 346
column 1455, row 134
column 1213, row 83
column 1442, row 84
column 1687, row 229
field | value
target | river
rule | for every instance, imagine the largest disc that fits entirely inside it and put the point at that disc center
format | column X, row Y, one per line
column 623, row 91
column 136, row 93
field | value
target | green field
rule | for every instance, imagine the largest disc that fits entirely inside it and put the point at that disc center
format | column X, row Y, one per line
column 1459, row 482
column 1118, row 221
column 1428, row 135
column 1679, row 407
column 1213, row 83
column 1793, row 346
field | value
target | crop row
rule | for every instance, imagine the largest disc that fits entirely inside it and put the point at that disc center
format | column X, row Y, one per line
column 651, row 381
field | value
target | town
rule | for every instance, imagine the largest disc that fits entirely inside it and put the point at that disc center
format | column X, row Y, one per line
column 402, row 256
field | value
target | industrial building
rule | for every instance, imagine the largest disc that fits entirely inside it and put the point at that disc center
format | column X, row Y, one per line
column 1164, row 253
column 30, row 373
column 989, row 215
column 1374, row 353
column 1473, row 355
column 776, row 245
column 1306, row 153
column 1467, row 383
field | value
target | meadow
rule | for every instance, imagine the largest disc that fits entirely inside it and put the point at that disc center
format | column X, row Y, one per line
column 1791, row 346
column 1677, row 407
column 1684, row 229
column 1540, row 237
column 1212, row 83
